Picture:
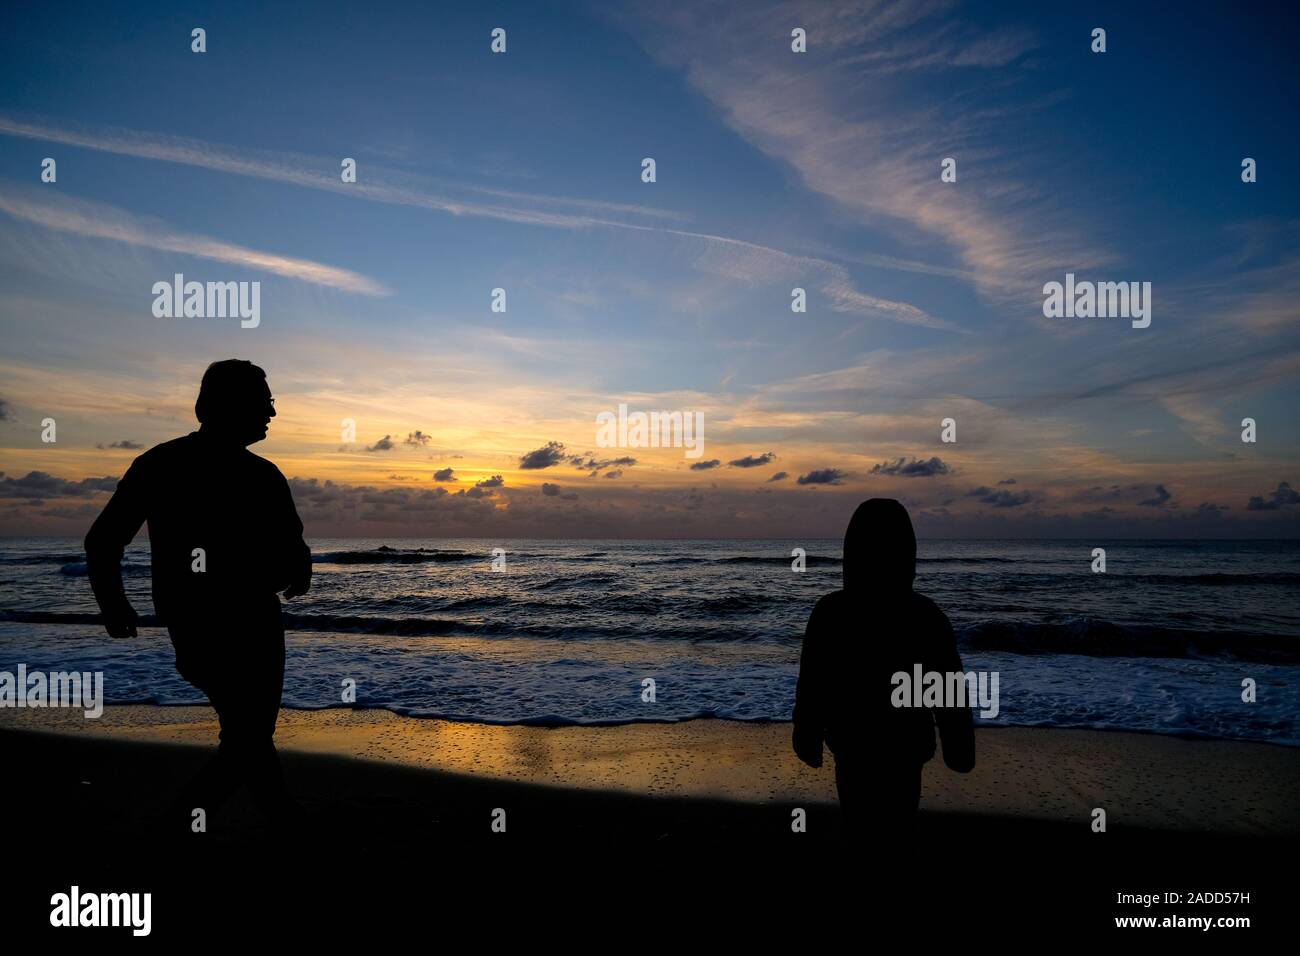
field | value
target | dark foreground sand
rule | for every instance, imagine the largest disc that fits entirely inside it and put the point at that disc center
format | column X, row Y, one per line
column 694, row 811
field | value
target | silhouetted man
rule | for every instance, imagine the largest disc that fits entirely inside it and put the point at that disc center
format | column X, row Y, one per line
column 225, row 538
column 857, row 639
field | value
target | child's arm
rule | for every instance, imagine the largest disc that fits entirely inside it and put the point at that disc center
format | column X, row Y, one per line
column 956, row 725
column 810, row 694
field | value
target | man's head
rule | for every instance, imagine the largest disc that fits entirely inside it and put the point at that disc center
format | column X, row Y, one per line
column 235, row 401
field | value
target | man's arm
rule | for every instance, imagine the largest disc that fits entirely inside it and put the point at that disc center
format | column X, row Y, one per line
column 810, row 692
column 956, row 724
column 108, row 537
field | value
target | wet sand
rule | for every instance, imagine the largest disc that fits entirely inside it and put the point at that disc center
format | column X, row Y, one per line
column 1141, row 780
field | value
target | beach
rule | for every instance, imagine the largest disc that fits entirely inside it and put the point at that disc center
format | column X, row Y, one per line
column 1144, row 781
column 622, row 812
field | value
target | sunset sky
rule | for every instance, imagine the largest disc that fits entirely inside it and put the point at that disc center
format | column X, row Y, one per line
column 775, row 170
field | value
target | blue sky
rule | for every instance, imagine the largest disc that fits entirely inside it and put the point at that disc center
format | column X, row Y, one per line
column 774, row 170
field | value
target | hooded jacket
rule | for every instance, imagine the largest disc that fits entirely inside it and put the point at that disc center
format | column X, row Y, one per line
column 860, row 636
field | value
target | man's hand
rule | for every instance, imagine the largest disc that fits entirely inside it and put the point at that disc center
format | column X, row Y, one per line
column 300, row 586
column 808, row 746
column 121, row 623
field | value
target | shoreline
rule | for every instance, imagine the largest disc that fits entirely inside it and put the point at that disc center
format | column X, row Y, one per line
column 541, row 724
column 1151, row 781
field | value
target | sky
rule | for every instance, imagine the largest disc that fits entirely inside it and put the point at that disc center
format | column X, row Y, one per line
column 774, row 170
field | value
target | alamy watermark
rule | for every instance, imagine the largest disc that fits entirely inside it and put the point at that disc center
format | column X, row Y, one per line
column 208, row 300
column 651, row 430
column 950, row 689
column 69, row 689
column 76, row 908
column 1100, row 300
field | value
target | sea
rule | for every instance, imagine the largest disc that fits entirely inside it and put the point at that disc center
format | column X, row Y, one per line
column 1169, row 639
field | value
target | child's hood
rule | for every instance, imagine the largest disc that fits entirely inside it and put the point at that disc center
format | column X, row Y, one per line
column 879, row 548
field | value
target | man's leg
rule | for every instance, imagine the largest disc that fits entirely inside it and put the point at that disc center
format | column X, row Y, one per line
column 243, row 680
column 248, row 730
column 218, row 779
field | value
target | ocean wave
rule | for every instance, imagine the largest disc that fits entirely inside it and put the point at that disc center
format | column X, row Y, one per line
column 483, row 602
column 1097, row 638
column 43, row 558
column 441, row 627
column 1085, row 636
column 1033, row 576
column 65, row 617
column 1038, row 581
column 811, row 560
column 576, row 580
column 742, row 603
column 1217, row 578
column 79, row 569
column 989, row 560
column 387, row 555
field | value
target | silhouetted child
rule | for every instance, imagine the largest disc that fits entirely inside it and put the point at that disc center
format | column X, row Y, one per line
column 224, row 539
column 857, row 639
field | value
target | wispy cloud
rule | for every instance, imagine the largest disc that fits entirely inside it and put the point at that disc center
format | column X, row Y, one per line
column 99, row 221
column 751, row 262
column 874, row 147
column 720, row 255
column 310, row 172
